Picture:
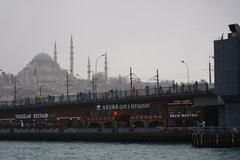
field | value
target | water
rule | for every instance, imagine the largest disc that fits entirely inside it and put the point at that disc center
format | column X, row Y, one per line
column 34, row 150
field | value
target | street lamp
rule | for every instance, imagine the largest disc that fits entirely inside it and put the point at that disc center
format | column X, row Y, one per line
column 67, row 83
column 96, row 70
column 131, row 78
column 187, row 70
column 210, row 70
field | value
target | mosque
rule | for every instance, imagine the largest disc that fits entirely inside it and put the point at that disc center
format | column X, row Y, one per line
column 44, row 76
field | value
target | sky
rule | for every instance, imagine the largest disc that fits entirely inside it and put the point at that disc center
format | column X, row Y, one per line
column 143, row 34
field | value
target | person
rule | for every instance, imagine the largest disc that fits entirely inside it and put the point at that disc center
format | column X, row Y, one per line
column 189, row 87
column 89, row 95
column 159, row 89
column 53, row 97
column 61, row 98
column 78, row 96
column 177, row 87
column 206, row 87
column 111, row 93
column 116, row 93
column 173, row 87
column 133, row 91
column 196, row 86
column 81, row 95
column 182, row 88
column 147, row 90
column 203, row 124
column 133, row 126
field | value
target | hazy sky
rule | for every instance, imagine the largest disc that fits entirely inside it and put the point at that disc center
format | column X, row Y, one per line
column 144, row 34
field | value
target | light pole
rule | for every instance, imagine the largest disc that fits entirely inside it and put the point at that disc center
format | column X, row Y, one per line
column 131, row 86
column 96, row 70
column 157, row 79
column 133, row 78
column 67, row 83
column 15, row 90
column 187, row 70
column 210, row 69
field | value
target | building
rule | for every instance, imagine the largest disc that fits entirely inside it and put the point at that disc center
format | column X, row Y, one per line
column 227, row 76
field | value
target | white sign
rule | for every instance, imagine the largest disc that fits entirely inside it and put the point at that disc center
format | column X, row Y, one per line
column 122, row 106
column 183, row 115
column 180, row 102
column 23, row 116
column 29, row 116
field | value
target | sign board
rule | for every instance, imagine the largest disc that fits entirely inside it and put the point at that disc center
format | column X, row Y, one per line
column 183, row 115
column 180, row 102
column 122, row 106
column 32, row 116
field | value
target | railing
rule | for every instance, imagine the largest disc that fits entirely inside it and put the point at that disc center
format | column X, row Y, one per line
column 214, row 130
column 111, row 95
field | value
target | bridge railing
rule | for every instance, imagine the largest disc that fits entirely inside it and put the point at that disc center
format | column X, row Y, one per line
column 111, row 95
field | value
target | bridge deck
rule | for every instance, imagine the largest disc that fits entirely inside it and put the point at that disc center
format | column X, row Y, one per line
column 109, row 96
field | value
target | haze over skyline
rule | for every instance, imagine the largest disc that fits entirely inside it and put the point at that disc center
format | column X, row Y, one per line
column 143, row 34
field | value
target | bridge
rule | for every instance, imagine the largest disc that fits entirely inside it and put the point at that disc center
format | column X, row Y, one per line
column 202, row 94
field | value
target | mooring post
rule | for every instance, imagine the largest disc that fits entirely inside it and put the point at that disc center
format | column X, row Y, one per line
column 217, row 140
column 233, row 138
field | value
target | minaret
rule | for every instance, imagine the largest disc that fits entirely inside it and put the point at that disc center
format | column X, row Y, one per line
column 89, row 69
column 71, row 56
column 106, row 69
column 55, row 52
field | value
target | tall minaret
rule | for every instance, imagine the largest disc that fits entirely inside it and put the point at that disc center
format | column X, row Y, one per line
column 55, row 52
column 106, row 68
column 71, row 56
column 89, row 69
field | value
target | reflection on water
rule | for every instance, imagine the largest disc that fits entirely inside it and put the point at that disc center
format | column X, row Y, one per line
column 34, row 150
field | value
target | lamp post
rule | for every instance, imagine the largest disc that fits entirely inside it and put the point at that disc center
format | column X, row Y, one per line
column 95, row 77
column 210, row 69
column 157, row 79
column 131, row 86
column 187, row 70
column 133, row 78
column 67, row 83
column 15, row 89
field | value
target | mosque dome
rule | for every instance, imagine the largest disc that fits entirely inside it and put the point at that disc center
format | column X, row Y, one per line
column 44, row 62
column 42, row 58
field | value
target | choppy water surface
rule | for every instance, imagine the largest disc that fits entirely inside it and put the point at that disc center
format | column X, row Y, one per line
column 21, row 150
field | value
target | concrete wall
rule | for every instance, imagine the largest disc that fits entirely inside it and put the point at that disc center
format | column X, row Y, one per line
column 227, row 66
column 227, row 78
column 233, row 115
column 221, row 116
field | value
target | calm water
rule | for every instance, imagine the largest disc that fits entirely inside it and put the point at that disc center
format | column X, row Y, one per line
column 11, row 150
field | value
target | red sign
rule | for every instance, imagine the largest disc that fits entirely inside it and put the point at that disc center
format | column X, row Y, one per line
column 115, row 113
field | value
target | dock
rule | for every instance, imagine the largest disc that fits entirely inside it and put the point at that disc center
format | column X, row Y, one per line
column 162, row 134
column 216, row 137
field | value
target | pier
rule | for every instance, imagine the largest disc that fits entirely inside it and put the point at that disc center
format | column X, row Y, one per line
column 161, row 134
column 216, row 137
